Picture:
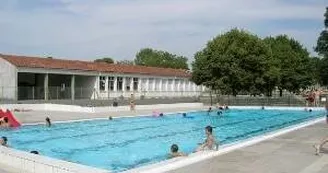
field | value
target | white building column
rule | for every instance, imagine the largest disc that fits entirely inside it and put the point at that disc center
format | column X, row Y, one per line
column 46, row 86
column 140, row 80
column 123, row 84
column 73, row 87
column 147, row 85
column 154, row 84
column 115, row 83
column 173, row 89
column 106, row 84
column 160, row 85
column 167, row 85
column 131, row 84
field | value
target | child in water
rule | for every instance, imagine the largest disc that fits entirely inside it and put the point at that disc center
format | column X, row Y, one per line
column 48, row 122
column 209, row 143
column 175, row 151
column 4, row 141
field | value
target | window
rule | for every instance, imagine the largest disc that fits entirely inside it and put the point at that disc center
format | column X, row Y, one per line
column 182, row 82
column 157, row 84
column 119, row 83
column 170, row 85
column 135, row 84
column 102, row 81
column 143, row 84
column 176, row 84
column 151, row 84
column 127, row 84
column 164, row 85
column 111, row 81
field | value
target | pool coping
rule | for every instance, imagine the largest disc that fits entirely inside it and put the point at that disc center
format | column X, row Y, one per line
column 34, row 163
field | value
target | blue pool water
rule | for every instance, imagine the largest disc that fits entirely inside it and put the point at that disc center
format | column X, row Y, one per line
column 126, row 143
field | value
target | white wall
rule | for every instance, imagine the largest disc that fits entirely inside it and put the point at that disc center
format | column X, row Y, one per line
column 8, row 80
column 72, row 108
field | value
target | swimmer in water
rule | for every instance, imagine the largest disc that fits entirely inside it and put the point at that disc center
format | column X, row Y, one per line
column 175, row 152
column 209, row 143
column 48, row 122
column 209, row 109
column 4, row 141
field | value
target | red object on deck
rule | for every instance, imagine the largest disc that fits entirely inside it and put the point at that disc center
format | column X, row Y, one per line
column 12, row 120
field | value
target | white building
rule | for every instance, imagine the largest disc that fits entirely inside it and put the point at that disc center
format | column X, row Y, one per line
column 27, row 78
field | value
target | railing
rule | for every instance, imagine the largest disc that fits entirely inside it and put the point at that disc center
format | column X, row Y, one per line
column 82, row 93
column 246, row 100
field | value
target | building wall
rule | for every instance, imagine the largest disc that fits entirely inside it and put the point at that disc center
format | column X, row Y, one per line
column 8, row 80
column 84, row 87
column 87, row 84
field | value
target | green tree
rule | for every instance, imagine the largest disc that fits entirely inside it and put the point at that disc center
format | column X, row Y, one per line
column 323, row 71
column 322, row 43
column 233, row 63
column 158, row 58
column 322, row 49
column 291, row 62
column 125, row 62
column 106, row 60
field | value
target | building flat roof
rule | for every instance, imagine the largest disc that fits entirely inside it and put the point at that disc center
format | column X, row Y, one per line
column 53, row 63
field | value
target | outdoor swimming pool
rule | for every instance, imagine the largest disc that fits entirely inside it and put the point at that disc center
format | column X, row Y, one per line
column 126, row 143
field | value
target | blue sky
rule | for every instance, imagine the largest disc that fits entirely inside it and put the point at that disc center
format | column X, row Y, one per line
column 89, row 29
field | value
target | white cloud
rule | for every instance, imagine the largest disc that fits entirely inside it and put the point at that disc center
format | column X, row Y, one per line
column 88, row 29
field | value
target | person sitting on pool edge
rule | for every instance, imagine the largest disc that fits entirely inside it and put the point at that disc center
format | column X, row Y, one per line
column 175, row 151
column 4, row 141
column 48, row 122
column 324, row 141
column 209, row 143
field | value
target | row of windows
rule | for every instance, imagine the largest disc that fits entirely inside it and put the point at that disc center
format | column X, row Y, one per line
column 135, row 83
column 119, row 84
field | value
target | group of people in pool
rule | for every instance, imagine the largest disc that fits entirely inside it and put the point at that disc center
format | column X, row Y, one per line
column 208, row 144
column 4, row 140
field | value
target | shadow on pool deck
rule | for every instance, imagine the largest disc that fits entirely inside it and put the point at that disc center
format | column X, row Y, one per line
column 289, row 153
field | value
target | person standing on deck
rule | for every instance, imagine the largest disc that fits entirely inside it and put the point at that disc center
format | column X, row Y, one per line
column 132, row 103
column 318, row 147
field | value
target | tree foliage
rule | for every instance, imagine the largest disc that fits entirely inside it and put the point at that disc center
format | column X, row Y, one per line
column 106, row 60
column 240, row 62
column 125, row 62
column 322, row 43
column 159, row 58
column 292, row 62
column 322, row 49
column 234, row 62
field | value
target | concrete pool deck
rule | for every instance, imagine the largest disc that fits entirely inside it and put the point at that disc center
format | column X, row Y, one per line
column 39, row 116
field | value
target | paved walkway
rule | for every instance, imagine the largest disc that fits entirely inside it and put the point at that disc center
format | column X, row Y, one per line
column 290, row 153
column 39, row 116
